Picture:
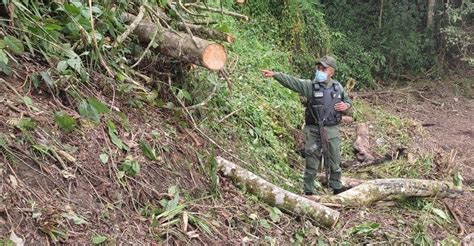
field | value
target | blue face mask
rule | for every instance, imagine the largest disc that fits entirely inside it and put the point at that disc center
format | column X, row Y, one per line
column 320, row 76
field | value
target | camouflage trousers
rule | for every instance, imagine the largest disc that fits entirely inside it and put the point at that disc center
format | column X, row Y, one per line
column 313, row 156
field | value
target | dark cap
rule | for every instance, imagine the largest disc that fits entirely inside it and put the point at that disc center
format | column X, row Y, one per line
column 327, row 61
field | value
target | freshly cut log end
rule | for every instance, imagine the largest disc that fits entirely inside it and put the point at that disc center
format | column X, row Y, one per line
column 214, row 57
column 181, row 45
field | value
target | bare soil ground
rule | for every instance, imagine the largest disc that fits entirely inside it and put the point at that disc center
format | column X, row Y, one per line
column 445, row 109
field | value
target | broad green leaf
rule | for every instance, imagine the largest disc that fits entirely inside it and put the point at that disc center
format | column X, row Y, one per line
column 29, row 103
column 184, row 94
column 5, row 68
column 2, row 44
column 25, row 124
column 201, row 223
column 440, row 213
column 112, row 129
column 98, row 239
column 62, row 66
column 47, row 78
column 75, row 63
column 264, row 223
column 52, row 27
column 65, row 122
column 365, row 228
column 3, row 57
column 78, row 220
column 148, row 151
column 275, row 214
column 14, row 45
column 104, row 158
column 88, row 111
column 173, row 190
column 130, row 166
column 98, row 105
column 74, row 10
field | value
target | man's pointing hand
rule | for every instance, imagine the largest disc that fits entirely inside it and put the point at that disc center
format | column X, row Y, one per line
column 268, row 73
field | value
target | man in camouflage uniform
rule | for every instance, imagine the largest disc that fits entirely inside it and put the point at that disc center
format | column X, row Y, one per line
column 326, row 101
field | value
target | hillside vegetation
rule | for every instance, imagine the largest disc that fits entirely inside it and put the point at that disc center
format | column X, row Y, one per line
column 107, row 140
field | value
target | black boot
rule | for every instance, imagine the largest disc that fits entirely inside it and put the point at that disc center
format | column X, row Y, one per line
column 337, row 191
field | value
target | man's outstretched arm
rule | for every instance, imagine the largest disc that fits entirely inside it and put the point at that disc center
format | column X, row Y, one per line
column 302, row 86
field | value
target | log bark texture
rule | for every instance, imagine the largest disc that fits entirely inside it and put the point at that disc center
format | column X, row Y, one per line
column 206, row 33
column 347, row 182
column 181, row 45
column 384, row 189
column 277, row 196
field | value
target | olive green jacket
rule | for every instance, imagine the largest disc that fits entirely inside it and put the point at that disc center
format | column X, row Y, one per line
column 305, row 88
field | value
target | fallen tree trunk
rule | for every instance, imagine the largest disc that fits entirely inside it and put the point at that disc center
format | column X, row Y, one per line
column 385, row 189
column 277, row 196
column 347, row 182
column 180, row 45
column 206, row 33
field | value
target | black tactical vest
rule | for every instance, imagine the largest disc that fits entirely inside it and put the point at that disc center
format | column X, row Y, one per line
column 320, row 107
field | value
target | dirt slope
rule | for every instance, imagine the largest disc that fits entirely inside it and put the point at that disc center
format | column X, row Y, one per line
column 445, row 109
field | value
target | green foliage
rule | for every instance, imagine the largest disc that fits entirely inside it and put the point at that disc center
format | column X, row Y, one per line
column 214, row 177
column 65, row 122
column 29, row 103
column 275, row 214
column 148, row 150
column 88, row 111
column 420, row 234
column 297, row 26
column 7, row 242
column 456, row 33
column 399, row 44
column 104, row 158
column 24, row 124
column 98, row 239
column 366, row 228
column 112, row 130
column 130, row 166
column 76, row 219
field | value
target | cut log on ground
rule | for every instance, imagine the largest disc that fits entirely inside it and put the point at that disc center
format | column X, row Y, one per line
column 277, row 196
column 181, row 46
column 206, row 33
column 347, row 182
column 386, row 189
